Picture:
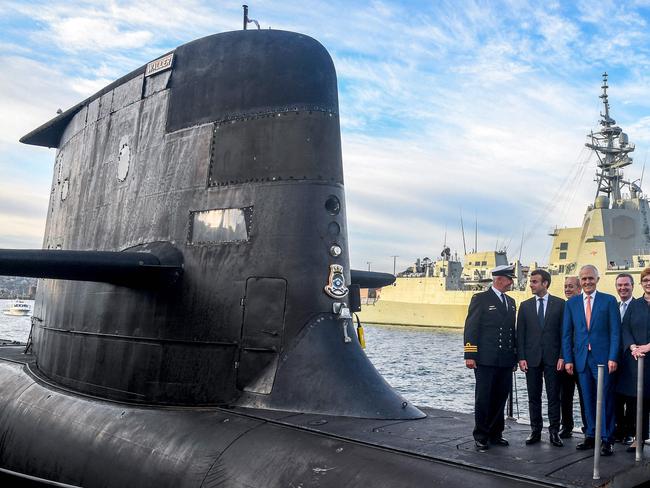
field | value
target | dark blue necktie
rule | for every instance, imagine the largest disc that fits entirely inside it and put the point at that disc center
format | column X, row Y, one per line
column 503, row 299
column 540, row 312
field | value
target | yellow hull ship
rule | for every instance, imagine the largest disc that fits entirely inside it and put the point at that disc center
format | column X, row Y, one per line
column 614, row 236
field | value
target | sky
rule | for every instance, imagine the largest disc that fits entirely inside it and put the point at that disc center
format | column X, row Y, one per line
column 447, row 108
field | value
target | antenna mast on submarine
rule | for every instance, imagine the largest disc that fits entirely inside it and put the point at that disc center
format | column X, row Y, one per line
column 247, row 20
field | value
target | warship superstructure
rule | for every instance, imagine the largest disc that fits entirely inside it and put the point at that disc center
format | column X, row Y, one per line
column 614, row 236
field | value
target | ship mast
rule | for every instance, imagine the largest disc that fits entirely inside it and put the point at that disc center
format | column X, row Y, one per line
column 612, row 147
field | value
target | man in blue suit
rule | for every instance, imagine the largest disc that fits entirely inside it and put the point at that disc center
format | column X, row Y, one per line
column 591, row 335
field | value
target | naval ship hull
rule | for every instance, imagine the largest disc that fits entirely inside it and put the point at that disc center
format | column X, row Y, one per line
column 448, row 309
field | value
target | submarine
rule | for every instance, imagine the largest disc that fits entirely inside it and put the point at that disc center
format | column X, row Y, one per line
column 193, row 323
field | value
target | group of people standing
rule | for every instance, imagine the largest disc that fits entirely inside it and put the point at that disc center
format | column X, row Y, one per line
column 559, row 344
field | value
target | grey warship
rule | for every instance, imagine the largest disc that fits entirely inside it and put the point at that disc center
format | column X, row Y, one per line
column 192, row 324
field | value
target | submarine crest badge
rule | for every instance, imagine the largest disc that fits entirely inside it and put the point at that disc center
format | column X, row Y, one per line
column 336, row 286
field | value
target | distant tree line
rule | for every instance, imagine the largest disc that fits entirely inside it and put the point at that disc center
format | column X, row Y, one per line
column 17, row 287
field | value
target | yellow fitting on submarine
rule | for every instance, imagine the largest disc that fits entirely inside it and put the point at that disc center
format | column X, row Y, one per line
column 361, row 335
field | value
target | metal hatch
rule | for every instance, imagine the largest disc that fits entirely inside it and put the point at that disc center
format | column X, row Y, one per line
column 262, row 333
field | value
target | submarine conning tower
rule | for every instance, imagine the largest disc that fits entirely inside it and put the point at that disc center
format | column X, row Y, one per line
column 222, row 161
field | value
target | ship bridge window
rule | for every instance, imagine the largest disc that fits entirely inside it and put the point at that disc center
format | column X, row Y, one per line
column 221, row 225
column 564, row 246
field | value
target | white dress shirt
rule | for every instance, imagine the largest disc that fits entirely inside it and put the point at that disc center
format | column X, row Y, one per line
column 544, row 302
column 623, row 306
column 498, row 293
column 584, row 301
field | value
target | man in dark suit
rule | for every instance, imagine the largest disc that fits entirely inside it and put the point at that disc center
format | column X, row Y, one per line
column 568, row 382
column 539, row 347
column 624, row 406
column 591, row 332
column 490, row 350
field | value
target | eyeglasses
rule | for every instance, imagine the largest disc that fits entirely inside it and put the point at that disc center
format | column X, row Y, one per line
column 645, row 280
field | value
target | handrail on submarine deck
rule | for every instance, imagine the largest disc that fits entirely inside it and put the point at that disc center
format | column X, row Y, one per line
column 639, row 409
column 639, row 415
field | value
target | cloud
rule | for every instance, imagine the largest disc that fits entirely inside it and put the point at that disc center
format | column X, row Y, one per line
column 31, row 91
column 22, row 215
column 93, row 34
column 641, row 129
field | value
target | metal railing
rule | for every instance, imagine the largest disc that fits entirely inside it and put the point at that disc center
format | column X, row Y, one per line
column 599, row 415
column 639, row 409
column 599, row 420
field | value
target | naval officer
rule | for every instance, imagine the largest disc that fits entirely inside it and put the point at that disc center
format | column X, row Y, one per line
column 490, row 351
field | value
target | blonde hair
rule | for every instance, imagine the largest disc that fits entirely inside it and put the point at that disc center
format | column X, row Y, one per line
column 644, row 273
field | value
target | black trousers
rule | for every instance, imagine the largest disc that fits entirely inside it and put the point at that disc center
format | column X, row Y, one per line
column 631, row 404
column 493, row 385
column 535, row 376
column 625, row 413
column 568, row 383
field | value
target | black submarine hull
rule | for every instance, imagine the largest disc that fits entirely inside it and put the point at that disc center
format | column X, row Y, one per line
column 86, row 442
column 81, row 441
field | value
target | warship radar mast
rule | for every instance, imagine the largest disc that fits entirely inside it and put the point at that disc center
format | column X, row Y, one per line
column 612, row 147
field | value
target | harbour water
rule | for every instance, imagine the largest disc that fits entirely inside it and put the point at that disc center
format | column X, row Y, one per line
column 14, row 327
column 424, row 364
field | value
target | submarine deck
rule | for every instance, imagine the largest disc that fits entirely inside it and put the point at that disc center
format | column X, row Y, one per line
column 446, row 437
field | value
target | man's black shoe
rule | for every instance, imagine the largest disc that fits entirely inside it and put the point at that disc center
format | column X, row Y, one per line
column 481, row 446
column 588, row 443
column 607, row 449
column 628, row 440
column 566, row 433
column 533, row 438
column 555, row 439
column 499, row 441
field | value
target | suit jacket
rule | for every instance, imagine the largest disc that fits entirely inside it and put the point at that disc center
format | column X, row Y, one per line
column 490, row 330
column 535, row 344
column 604, row 334
column 635, row 330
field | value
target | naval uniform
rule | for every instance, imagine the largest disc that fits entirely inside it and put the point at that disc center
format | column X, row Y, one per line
column 489, row 339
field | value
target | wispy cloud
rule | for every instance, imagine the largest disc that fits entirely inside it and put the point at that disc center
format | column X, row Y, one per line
column 21, row 215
